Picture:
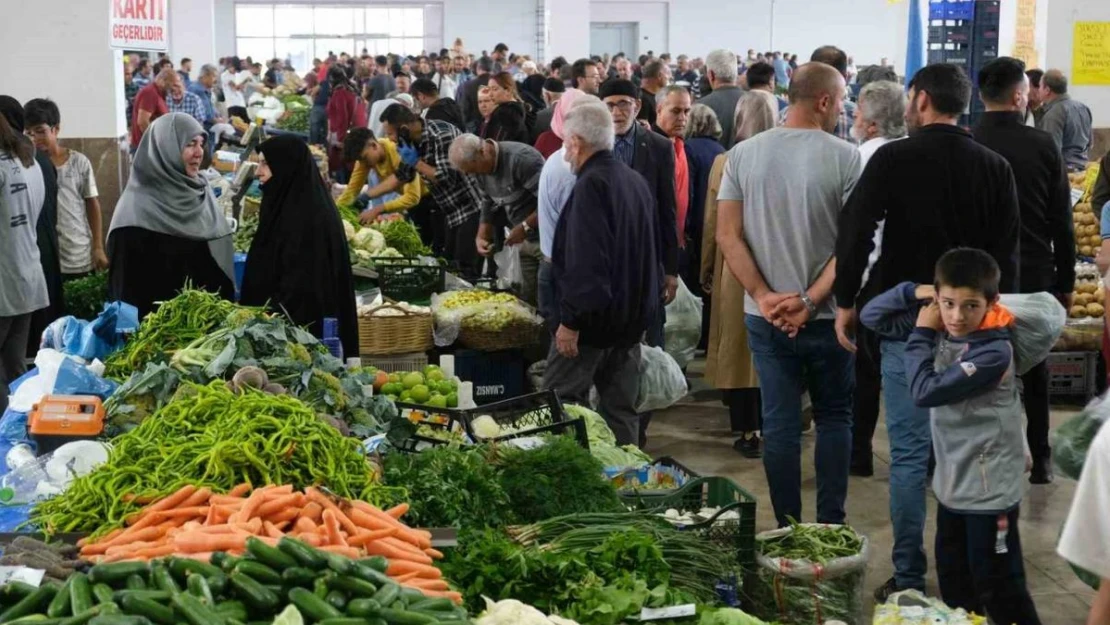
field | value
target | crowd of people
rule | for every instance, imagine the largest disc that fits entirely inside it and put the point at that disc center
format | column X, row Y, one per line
column 874, row 267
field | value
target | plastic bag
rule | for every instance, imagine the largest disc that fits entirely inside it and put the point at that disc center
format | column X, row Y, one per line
column 92, row 339
column 480, row 309
column 662, row 382
column 1072, row 439
column 911, row 607
column 1039, row 320
column 682, row 331
column 509, row 272
column 800, row 592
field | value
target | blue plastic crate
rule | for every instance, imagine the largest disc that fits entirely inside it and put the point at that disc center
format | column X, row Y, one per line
column 240, row 269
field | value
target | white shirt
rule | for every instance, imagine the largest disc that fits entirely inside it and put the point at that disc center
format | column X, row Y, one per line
column 233, row 97
column 1086, row 538
column 22, row 282
column 447, row 86
column 76, row 184
column 866, row 151
column 556, row 182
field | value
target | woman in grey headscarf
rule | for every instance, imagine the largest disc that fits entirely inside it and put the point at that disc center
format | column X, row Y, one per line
column 167, row 229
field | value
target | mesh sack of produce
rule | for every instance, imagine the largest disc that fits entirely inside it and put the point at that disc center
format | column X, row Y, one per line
column 682, row 331
column 1071, row 440
column 662, row 382
column 814, row 589
column 1038, row 322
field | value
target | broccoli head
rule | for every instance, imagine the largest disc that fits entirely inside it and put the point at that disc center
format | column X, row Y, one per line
column 299, row 353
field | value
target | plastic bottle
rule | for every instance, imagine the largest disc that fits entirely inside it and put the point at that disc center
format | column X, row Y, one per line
column 28, row 483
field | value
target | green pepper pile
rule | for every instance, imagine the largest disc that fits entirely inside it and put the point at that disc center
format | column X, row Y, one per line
column 815, row 543
column 176, row 323
column 265, row 582
column 210, row 436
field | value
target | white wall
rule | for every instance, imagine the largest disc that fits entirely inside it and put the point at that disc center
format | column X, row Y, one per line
column 193, row 32
column 482, row 24
column 48, row 35
column 653, row 18
column 224, row 11
column 1061, row 23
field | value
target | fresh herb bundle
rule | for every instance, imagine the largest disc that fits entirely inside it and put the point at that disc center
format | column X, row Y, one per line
column 449, row 487
column 85, row 297
column 558, row 478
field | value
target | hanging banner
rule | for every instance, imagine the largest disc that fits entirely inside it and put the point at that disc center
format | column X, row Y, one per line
column 1025, row 31
column 1090, row 63
column 139, row 24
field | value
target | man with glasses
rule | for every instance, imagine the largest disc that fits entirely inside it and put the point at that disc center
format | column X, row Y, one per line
column 652, row 156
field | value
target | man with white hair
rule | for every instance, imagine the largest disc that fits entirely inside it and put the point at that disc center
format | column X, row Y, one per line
column 720, row 67
column 624, row 69
column 606, row 275
column 508, row 177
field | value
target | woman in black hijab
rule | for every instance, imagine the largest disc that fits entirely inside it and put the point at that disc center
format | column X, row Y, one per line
column 46, row 232
column 298, row 261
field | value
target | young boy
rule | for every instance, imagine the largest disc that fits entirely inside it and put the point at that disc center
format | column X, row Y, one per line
column 960, row 364
column 80, row 230
column 369, row 153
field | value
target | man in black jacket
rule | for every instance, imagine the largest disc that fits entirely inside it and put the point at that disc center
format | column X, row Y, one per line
column 605, row 269
column 937, row 190
column 1047, row 236
column 434, row 107
column 468, row 102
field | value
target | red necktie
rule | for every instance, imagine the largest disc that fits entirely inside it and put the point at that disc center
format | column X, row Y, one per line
column 681, row 189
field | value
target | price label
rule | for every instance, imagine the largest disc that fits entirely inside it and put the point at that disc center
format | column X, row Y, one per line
column 1076, row 195
column 23, row 574
column 674, row 611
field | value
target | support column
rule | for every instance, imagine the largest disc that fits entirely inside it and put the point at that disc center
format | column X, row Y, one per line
column 193, row 32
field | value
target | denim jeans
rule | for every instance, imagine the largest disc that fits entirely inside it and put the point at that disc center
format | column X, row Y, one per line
column 787, row 367
column 910, row 442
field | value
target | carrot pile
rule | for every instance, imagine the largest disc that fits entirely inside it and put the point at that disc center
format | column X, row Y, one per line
column 195, row 522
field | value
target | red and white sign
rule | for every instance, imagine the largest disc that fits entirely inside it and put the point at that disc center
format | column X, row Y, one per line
column 139, row 24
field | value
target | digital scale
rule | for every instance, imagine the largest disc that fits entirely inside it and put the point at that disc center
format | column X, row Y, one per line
column 59, row 419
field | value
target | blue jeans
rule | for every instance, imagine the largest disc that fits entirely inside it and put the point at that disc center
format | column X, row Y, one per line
column 911, row 440
column 787, row 367
column 318, row 125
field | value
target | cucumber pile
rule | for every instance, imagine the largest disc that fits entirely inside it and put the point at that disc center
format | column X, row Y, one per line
column 326, row 588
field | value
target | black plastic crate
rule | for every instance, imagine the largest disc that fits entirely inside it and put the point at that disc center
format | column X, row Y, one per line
column 446, row 421
column 406, row 280
column 529, row 415
column 497, row 376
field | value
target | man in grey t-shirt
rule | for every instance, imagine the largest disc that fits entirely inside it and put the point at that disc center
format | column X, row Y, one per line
column 780, row 199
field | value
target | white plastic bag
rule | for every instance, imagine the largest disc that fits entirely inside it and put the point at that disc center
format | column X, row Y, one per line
column 662, row 382
column 509, row 272
column 682, row 332
column 1038, row 322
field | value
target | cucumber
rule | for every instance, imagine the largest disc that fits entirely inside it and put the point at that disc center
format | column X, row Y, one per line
column 193, row 611
column 83, row 617
column 229, row 563
column 102, row 593
column 160, row 596
column 232, row 609
column 151, row 609
column 320, row 586
column 217, row 583
column 372, row 575
column 117, row 572
column 270, row 556
column 36, row 619
column 260, row 572
column 376, row 621
column 403, row 617
column 302, row 553
column 80, row 593
column 387, row 594
column 119, row 619
column 363, row 607
column 182, row 567
column 434, row 604
column 343, row 620
column 298, row 576
column 198, row 587
column 411, row 595
column 59, row 605
column 340, row 564
column 337, row 599
column 33, row 603
column 378, row 563
column 313, row 607
column 353, row 586
column 135, row 582
column 162, row 578
column 252, row 593
column 14, row 591
column 218, row 558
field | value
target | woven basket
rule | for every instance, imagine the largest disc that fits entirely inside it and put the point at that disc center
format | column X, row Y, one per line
column 404, row 334
column 514, row 336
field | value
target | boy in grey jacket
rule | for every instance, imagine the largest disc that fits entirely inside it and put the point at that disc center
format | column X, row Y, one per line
column 960, row 364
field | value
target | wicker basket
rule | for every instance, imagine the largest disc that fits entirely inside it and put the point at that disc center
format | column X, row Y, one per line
column 515, row 336
column 402, row 334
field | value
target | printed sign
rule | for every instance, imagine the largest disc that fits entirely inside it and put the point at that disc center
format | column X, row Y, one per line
column 1090, row 64
column 139, row 24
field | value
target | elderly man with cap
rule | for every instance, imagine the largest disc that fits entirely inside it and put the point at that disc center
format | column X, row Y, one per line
column 553, row 89
column 606, row 275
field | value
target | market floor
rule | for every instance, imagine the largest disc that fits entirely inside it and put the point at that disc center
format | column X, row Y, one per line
column 696, row 433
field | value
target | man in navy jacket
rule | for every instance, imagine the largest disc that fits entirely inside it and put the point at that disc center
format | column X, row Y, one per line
column 606, row 273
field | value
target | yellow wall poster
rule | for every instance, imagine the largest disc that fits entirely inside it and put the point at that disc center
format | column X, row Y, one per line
column 1090, row 63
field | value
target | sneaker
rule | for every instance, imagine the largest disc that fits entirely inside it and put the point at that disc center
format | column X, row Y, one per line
column 749, row 445
column 882, row 593
column 1042, row 471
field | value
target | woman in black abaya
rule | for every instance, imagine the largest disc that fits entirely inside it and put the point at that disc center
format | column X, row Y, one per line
column 298, row 261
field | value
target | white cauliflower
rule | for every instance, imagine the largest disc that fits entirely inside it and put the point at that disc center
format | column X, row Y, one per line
column 362, row 254
column 348, row 230
column 485, row 427
column 388, row 252
column 370, row 240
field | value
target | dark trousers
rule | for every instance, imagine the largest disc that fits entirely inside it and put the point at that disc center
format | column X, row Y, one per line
column 615, row 373
column 423, row 216
column 460, row 248
column 317, row 124
column 1035, row 397
column 869, row 384
column 13, row 346
column 745, row 409
column 973, row 576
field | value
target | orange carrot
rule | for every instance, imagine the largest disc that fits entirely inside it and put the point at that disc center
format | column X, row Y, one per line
column 449, row 594
column 289, row 514
column 226, row 500
column 398, row 511
column 270, row 530
column 305, row 525
column 170, row 502
column 240, row 490
column 195, row 541
column 282, row 526
column 187, row 513
column 332, row 525
column 201, row 496
column 362, row 538
column 405, row 533
column 434, row 553
column 316, row 496
column 400, row 567
column 350, row 552
column 312, row 511
column 312, row 540
column 416, row 554
column 400, row 579
column 425, row 584
column 380, row 548
column 275, row 505
column 247, row 511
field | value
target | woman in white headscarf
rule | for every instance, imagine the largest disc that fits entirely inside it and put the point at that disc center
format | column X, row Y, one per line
column 167, row 229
